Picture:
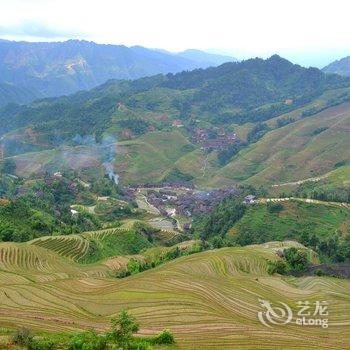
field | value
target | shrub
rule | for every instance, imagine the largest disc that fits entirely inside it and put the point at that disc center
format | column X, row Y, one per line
column 320, row 272
column 140, row 344
column 88, row 341
column 165, row 337
column 42, row 344
column 278, row 266
column 22, row 336
column 296, row 259
column 275, row 208
column 123, row 329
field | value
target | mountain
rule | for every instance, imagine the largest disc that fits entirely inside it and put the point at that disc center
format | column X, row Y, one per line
column 341, row 67
column 61, row 68
column 205, row 58
column 10, row 93
column 193, row 126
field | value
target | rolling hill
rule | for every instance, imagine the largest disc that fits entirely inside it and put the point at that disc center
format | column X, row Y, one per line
column 307, row 148
column 157, row 120
column 206, row 299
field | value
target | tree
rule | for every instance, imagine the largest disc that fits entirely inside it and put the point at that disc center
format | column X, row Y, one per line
column 165, row 337
column 123, row 328
column 296, row 259
column 278, row 266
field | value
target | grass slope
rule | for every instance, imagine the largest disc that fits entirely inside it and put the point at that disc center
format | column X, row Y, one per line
column 295, row 219
column 297, row 151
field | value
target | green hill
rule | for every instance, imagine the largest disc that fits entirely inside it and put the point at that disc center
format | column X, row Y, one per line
column 307, row 148
column 290, row 124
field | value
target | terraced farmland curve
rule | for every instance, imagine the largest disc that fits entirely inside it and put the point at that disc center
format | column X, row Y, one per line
column 209, row 300
column 78, row 247
column 72, row 246
column 92, row 246
column 37, row 264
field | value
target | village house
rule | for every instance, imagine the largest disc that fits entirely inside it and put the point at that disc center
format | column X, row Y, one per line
column 177, row 123
column 250, row 199
column 57, row 175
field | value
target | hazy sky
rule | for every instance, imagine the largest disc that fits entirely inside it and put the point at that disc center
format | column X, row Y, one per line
column 306, row 31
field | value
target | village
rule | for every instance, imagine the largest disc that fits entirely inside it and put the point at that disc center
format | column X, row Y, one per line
column 179, row 203
column 209, row 139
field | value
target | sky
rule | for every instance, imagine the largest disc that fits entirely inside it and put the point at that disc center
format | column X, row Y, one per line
column 308, row 32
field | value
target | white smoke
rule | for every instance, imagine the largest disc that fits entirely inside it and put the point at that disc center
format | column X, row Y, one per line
column 107, row 151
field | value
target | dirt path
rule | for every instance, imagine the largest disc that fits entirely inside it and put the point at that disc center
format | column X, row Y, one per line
column 310, row 179
column 204, row 169
column 143, row 203
column 305, row 200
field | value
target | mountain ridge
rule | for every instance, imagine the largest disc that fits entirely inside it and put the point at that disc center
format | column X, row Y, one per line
column 341, row 67
column 61, row 68
column 187, row 126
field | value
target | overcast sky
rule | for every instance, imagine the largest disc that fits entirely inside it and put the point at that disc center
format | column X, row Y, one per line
column 311, row 32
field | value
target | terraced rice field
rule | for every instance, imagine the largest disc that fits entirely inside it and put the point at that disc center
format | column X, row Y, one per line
column 75, row 247
column 209, row 300
column 72, row 246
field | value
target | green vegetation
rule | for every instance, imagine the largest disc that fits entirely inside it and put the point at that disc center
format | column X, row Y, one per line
column 258, row 131
column 224, row 216
column 89, row 340
column 118, row 243
column 43, row 209
column 293, row 260
column 120, row 336
column 225, row 156
column 324, row 228
column 272, row 160
column 300, row 107
column 123, row 329
column 136, row 266
column 324, row 191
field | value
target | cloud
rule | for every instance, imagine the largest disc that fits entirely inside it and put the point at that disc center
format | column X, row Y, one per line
column 36, row 30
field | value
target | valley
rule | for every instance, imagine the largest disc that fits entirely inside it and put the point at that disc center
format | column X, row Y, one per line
column 190, row 200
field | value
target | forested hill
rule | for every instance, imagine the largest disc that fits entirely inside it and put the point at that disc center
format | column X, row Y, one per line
column 61, row 68
column 253, row 90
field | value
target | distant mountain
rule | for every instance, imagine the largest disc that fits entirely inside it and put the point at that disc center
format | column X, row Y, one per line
column 250, row 91
column 205, row 58
column 61, row 68
column 341, row 67
column 10, row 93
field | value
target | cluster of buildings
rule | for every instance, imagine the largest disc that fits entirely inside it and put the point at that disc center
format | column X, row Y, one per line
column 187, row 203
column 213, row 140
